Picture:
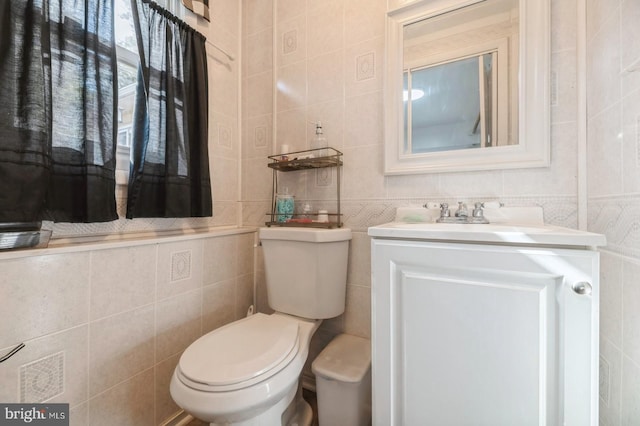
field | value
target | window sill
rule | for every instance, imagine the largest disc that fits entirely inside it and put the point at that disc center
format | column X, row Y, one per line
column 104, row 242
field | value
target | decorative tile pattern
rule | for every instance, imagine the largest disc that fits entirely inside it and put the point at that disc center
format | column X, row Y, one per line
column 605, row 380
column 260, row 137
column 43, row 379
column 360, row 215
column 289, row 42
column 225, row 136
column 323, row 177
column 365, row 66
column 618, row 218
column 181, row 265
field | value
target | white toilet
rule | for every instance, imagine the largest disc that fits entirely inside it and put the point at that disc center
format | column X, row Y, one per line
column 247, row 372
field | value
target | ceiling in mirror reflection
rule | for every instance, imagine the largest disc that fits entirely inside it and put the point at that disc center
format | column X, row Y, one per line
column 465, row 63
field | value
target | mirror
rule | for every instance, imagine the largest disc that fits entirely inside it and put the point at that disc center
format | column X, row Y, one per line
column 466, row 86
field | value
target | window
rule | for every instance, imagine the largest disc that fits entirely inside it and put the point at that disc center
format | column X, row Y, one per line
column 127, row 52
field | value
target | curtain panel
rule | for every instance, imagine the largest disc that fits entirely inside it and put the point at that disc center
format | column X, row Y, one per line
column 169, row 174
column 57, row 109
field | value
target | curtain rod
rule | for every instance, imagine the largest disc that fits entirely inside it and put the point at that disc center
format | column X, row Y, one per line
column 222, row 50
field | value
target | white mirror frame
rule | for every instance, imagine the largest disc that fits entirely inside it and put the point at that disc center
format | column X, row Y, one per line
column 533, row 148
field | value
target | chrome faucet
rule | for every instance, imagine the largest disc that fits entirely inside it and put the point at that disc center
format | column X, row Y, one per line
column 477, row 216
column 462, row 214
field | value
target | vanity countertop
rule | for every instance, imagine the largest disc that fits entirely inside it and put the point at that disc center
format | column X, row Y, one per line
column 523, row 230
column 539, row 235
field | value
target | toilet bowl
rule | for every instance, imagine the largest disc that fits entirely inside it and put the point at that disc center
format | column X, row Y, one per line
column 247, row 372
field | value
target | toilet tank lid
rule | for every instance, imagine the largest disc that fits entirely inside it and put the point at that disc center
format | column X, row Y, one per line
column 314, row 235
column 346, row 358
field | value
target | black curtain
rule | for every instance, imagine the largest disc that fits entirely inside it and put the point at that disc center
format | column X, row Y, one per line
column 169, row 174
column 57, row 108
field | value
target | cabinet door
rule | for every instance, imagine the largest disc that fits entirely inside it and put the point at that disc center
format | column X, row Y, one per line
column 483, row 335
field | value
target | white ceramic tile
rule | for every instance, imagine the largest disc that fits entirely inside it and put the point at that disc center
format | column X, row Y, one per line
column 79, row 415
column 42, row 294
column 364, row 20
column 364, row 120
column 257, row 139
column 72, row 344
column 630, row 33
column 120, row 347
column 165, row 406
column 291, row 41
column 363, row 70
column 360, row 260
column 357, row 317
column 564, row 109
column 291, row 86
column 259, row 52
column 603, row 68
column 362, row 172
column 224, row 179
column 559, row 179
column 563, row 25
column 409, row 186
column 598, row 12
column 258, row 94
column 631, row 142
column 630, row 412
column 631, row 310
column 245, row 253
column 325, row 77
column 218, row 305
column 257, row 15
column 256, row 179
column 223, row 92
column 604, row 152
column 122, row 279
column 611, row 298
column 244, row 295
column 286, row 9
column 291, row 130
column 610, row 382
column 130, row 403
column 325, row 28
column 220, row 259
column 472, row 186
column 223, row 135
column 178, row 323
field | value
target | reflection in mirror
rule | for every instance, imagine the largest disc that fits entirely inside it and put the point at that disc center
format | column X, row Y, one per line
column 460, row 79
column 458, row 109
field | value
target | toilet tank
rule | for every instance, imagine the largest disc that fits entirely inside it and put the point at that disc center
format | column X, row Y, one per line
column 306, row 270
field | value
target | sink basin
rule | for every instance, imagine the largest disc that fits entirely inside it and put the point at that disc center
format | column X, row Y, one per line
column 532, row 232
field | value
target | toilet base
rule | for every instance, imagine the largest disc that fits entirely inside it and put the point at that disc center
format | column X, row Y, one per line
column 297, row 413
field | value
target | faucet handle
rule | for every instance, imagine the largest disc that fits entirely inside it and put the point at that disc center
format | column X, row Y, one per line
column 477, row 211
column 444, row 210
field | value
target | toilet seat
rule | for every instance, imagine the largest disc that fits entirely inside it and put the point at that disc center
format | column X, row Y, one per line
column 240, row 354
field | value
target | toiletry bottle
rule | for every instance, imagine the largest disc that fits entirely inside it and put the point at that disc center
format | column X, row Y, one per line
column 284, row 206
column 319, row 141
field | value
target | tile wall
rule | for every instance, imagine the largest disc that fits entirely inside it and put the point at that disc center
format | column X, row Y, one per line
column 613, row 98
column 328, row 66
column 104, row 328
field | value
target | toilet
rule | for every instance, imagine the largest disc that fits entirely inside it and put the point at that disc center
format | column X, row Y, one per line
column 248, row 372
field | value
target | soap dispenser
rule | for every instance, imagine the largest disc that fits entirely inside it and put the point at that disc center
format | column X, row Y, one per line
column 319, row 142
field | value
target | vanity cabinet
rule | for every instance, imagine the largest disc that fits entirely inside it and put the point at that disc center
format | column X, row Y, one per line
column 466, row 333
